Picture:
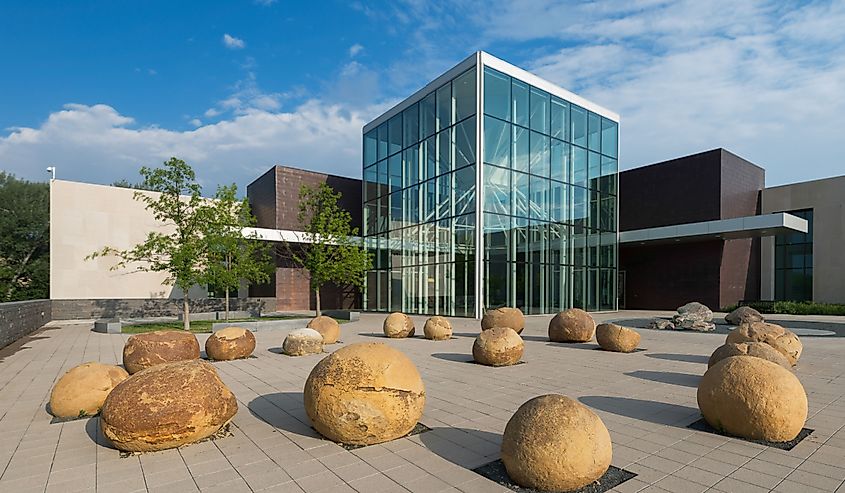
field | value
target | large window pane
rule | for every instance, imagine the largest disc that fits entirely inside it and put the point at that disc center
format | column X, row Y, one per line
column 497, row 94
column 463, row 93
column 465, row 238
column 427, row 116
column 560, row 119
column 465, row 289
column 371, row 217
column 521, row 239
column 560, row 161
column 579, row 167
column 539, row 154
column 594, row 132
column 594, row 169
column 370, row 183
column 429, row 208
column 394, row 134
column 559, row 202
column 498, row 277
column 382, row 141
column 497, row 189
column 465, row 143
column 465, row 190
column 395, row 171
column 411, row 125
column 411, row 160
column 411, row 199
column 609, row 137
column 521, row 149
column 608, row 171
column 497, row 142
column 608, row 213
column 497, row 241
column 539, row 242
column 428, row 158
column 370, row 147
column 519, row 102
column 444, row 107
column 539, row 203
column 539, row 111
column 520, row 194
column 444, row 151
column 396, row 210
column 579, row 125
column 580, row 213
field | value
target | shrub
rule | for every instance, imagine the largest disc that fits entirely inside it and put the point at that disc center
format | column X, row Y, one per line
column 793, row 307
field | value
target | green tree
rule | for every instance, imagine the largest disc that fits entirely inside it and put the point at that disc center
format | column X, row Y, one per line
column 182, row 253
column 232, row 257
column 25, row 239
column 124, row 183
column 331, row 253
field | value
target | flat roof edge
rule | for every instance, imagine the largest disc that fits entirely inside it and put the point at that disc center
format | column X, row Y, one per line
column 739, row 227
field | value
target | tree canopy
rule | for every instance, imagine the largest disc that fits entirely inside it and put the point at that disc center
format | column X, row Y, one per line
column 25, row 241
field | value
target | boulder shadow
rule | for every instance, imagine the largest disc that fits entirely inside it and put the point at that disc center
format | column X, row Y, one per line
column 284, row 411
column 534, row 338
column 684, row 358
column 662, row 413
column 95, row 433
column 576, row 345
column 459, row 357
column 275, row 350
column 673, row 378
column 462, row 446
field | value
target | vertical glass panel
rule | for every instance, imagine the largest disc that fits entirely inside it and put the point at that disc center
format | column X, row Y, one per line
column 539, row 242
column 394, row 134
column 521, row 239
column 497, row 189
column 411, row 199
column 560, row 161
column 465, row 289
column 444, row 151
column 498, row 278
column 395, row 172
column 558, row 288
column 371, row 217
column 396, row 291
column 539, row 204
column 383, row 293
column 594, row 170
column 396, row 220
column 465, row 190
column 608, row 171
column 429, row 201
column 428, row 243
column 608, row 213
column 579, row 125
column 411, row 245
column 595, row 218
column 370, row 183
column 520, row 197
column 383, row 212
column 538, row 289
column 558, row 243
column 427, row 118
column 497, row 142
column 444, row 196
column 539, row 111
column 560, row 119
column 428, row 158
column 559, row 202
column 383, row 250
column 497, row 241
column 465, row 238
column 523, row 288
column 607, row 289
column 465, row 143
column 382, row 141
column 521, row 149
column 446, row 288
column 411, row 125
column 444, row 107
column 519, row 102
column 579, row 167
column 444, row 240
column 539, row 154
column 463, row 93
column 579, row 288
column 594, row 132
column 411, row 165
column 497, row 94
column 370, row 147
column 371, row 291
column 592, row 289
column 609, row 137
column 580, row 213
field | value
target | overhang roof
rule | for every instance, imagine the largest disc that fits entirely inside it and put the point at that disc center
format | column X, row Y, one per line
column 721, row 229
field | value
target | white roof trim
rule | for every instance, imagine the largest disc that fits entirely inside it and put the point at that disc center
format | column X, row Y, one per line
column 280, row 235
column 741, row 227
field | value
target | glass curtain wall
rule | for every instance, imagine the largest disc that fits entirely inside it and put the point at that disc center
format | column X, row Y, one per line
column 794, row 262
column 549, row 201
column 420, row 204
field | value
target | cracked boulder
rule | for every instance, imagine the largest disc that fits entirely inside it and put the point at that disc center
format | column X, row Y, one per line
column 754, row 349
column 612, row 337
column 398, row 325
column 437, row 329
column 83, row 389
column 784, row 340
column 500, row 346
column 300, row 342
column 503, row 317
column 327, row 327
column 162, row 346
column 166, row 406
column 364, row 394
column 230, row 343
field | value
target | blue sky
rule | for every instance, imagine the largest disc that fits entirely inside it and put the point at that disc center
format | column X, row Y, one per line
column 100, row 88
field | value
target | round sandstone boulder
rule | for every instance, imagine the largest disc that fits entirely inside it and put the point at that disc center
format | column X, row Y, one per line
column 612, row 337
column 398, row 325
column 300, row 342
column 167, row 405
column 755, row 349
column 784, row 340
column 230, row 343
column 554, row 443
column 327, row 327
column 753, row 398
column 162, row 346
column 743, row 315
column 83, row 389
column 499, row 346
column 437, row 329
column 503, row 317
column 363, row 394
column 573, row 325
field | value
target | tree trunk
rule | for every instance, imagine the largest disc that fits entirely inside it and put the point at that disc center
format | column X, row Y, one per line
column 186, row 313
column 227, row 303
column 317, row 293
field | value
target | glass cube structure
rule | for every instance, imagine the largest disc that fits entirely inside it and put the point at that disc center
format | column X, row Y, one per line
column 491, row 187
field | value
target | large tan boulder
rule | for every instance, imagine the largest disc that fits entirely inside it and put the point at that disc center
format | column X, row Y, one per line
column 162, row 346
column 572, row 325
column 500, row 346
column 784, row 340
column 503, row 317
column 398, row 325
column 437, row 329
column 612, row 337
column 167, row 405
column 753, row 398
column 363, row 394
column 754, row 349
column 230, row 343
column 327, row 327
column 743, row 315
column 554, row 443
column 82, row 390
column 300, row 342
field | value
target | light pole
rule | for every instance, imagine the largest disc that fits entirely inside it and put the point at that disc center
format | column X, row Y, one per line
column 52, row 171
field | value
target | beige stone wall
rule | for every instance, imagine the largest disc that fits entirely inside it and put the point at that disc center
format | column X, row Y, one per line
column 827, row 199
column 85, row 218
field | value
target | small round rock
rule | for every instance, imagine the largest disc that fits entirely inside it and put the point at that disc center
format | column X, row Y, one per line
column 743, row 315
column 398, row 325
column 499, row 346
column 572, row 325
column 230, row 343
column 612, row 337
column 327, row 327
column 504, row 317
column 437, row 329
column 554, row 443
column 300, row 342
column 162, row 346
column 784, row 340
column 83, row 389
column 753, row 349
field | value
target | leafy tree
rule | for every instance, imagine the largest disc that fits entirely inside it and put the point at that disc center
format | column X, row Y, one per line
column 25, row 241
column 331, row 253
column 124, row 183
column 183, row 253
column 231, row 256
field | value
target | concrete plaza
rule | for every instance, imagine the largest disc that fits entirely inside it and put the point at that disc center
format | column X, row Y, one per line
column 646, row 399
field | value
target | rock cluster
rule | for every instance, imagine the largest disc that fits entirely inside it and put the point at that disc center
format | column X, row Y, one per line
column 364, row 394
column 500, row 346
column 743, row 315
column 612, row 337
column 572, row 325
column 554, row 443
column 327, row 327
column 230, row 343
column 154, row 348
column 398, row 325
column 661, row 324
column 694, row 316
column 300, row 342
column 83, row 389
column 754, row 349
column 437, row 329
column 167, row 405
column 784, row 340
column 503, row 317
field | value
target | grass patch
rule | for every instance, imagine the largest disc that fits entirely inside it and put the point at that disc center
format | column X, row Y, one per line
column 197, row 326
column 793, row 307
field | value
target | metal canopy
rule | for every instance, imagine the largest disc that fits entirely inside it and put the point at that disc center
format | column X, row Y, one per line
column 721, row 229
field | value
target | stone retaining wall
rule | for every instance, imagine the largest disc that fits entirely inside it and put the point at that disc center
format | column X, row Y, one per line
column 21, row 318
column 152, row 307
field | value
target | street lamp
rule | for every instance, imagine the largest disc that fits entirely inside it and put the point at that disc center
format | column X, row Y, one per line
column 52, row 171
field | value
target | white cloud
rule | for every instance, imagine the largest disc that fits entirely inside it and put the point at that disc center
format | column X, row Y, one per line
column 355, row 49
column 195, row 122
column 265, row 3
column 232, row 42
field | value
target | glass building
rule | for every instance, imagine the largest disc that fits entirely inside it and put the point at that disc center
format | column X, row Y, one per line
column 491, row 187
column 794, row 262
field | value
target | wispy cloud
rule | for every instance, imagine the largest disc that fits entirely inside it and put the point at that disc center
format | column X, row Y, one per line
column 355, row 49
column 232, row 42
column 265, row 3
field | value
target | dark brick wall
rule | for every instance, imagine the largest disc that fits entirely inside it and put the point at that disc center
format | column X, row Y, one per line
column 152, row 307
column 21, row 318
column 261, row 193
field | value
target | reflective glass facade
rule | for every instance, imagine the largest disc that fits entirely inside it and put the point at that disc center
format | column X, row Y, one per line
column 534, row 227
column 794, row 262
